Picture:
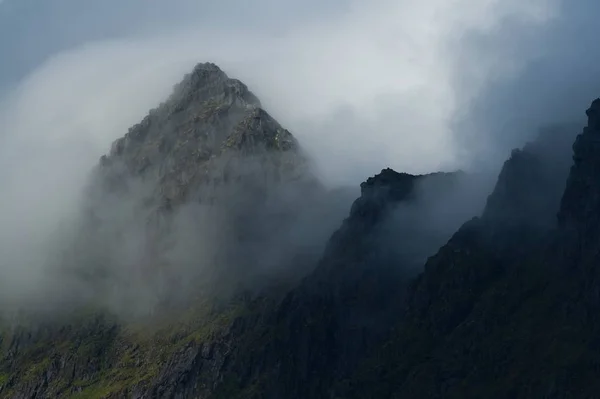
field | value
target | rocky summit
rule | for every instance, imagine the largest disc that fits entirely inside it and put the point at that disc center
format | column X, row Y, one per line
column 216, row 265
column 194, row 138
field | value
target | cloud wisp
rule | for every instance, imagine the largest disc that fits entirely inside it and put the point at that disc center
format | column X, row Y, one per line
column 413, row 85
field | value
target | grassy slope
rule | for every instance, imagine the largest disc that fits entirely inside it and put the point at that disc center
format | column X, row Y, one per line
column 95, row 357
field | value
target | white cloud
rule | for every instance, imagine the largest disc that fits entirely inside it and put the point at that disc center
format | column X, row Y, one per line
column 373, row 85
column 370, row 87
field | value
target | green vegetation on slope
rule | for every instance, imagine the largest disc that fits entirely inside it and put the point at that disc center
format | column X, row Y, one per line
column 99, row 358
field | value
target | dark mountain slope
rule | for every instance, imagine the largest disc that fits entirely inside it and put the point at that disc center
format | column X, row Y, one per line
column 500, row 310
column 322, row 329
column 579, row 216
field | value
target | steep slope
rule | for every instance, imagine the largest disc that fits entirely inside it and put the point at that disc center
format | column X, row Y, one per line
column 501, row 311
column 194, row 137
column 578, row 214
column 348, row 306
column 321, row 330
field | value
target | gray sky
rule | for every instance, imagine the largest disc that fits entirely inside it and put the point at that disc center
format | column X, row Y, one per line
column 32, row 30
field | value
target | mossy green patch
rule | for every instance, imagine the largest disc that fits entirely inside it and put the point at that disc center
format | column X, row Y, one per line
column 35, row 370
column 96, row 391
column 4, row 377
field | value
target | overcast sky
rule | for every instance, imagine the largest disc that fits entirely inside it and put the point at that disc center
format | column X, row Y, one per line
column 418, row 85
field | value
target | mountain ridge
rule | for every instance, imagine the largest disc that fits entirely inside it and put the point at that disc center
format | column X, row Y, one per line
column 499, row 310
column 390, row 297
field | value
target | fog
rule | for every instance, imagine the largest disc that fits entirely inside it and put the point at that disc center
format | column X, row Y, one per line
column 418, row 86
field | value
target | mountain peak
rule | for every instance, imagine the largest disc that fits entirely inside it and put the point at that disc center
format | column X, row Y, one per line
column 593, row 113
column 578, row 216
column 208, row 82
column 190, row 138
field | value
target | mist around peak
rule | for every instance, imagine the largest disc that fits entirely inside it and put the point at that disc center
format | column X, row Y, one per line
column 207, row 197
column 447, row 86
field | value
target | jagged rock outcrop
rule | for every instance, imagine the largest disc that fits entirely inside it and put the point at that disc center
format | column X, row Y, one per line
column 531, row 183
column 521, row 210
column 579, row 216
column 211, row 130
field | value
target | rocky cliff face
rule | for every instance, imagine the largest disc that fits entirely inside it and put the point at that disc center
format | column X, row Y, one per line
column 499, row 311
column 197, row 135
column 505, row 306
column 578, row 214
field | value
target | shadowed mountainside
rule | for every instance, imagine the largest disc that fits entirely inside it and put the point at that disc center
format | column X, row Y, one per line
column 506, row 308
